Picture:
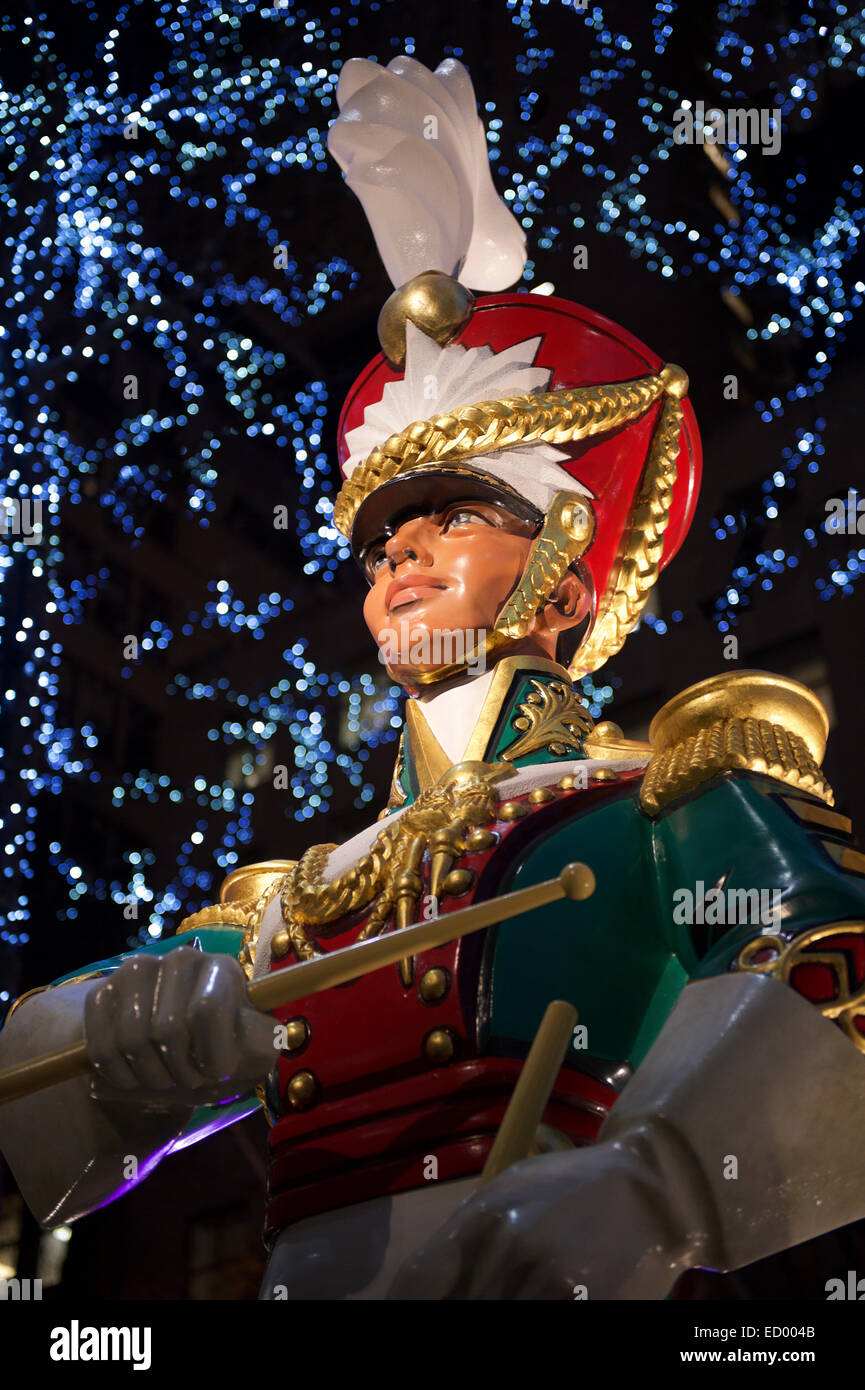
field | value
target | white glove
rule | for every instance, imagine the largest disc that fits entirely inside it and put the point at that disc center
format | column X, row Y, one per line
column 175, row 1031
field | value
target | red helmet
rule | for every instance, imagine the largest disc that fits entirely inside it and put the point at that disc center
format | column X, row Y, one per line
column 582, row 349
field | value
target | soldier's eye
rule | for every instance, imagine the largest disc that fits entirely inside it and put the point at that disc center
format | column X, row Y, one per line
column 463, row 516
column 375, row 559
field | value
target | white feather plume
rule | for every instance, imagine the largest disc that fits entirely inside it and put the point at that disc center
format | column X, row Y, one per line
column 413, row 149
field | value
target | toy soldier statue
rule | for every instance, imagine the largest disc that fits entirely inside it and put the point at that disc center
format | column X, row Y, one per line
column 517, row 472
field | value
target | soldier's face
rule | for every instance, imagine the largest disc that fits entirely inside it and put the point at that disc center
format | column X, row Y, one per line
column 442, row 573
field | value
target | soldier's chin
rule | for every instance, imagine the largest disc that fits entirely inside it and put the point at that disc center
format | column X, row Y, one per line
column 414, row 652
column 416, row 679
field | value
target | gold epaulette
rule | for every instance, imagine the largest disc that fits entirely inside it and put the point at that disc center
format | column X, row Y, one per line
column 243, row 897
column 749, row 721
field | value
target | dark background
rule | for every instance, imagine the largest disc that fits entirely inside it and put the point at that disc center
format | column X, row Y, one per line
column 124, row 547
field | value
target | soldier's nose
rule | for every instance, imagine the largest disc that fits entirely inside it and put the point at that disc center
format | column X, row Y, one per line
column 408, row 543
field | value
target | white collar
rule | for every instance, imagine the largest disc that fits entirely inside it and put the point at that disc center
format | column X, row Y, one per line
column 453, row 713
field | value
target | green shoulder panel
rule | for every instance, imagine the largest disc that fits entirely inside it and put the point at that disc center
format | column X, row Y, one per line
column 678, row 895
column 221, row 940
column 614, row 956
column 747, row 856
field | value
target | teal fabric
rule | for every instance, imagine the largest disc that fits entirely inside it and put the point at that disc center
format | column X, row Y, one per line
column 620, row 957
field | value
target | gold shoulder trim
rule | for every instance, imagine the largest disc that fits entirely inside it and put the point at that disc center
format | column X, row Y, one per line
column 744, row 720
column 243, row 899
column 218, row 915
column 247, row 884
column 550, row 717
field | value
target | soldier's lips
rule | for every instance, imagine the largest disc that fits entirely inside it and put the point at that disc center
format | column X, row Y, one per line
column 402, row 593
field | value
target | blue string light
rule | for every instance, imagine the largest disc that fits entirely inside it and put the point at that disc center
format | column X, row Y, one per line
column 84, row 150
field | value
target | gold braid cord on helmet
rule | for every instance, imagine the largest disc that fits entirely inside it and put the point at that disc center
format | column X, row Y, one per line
column 642, row 545
column 553, row 417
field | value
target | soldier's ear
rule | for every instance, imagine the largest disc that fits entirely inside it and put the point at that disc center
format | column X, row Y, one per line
column 571, row 601
column 565, row 611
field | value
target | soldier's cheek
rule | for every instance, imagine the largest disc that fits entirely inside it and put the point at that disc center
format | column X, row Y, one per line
column 458, row 606
column 483, row 578
column 375, row 614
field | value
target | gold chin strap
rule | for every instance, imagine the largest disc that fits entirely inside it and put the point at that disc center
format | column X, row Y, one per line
column 566, row 534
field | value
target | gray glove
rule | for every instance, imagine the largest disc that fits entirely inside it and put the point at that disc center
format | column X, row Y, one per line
column 175, row 1031
column 166, row 1035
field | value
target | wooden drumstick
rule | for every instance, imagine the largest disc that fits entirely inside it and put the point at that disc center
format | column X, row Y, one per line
column 532, row 1091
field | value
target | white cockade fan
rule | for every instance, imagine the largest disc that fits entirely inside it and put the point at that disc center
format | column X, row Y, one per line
column 438, row 380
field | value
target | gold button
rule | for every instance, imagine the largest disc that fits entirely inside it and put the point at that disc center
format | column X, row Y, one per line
column 540, row 795
column 433, row 985
column 675, row 380
column 512, row 810
column 607, row 732
column 479, row 840
column 301, row 1090
column 296, row 1034
column 280, row 944
column 457, row 882
column 604, row 774
column 439, row 1045
column 567, row 784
